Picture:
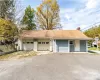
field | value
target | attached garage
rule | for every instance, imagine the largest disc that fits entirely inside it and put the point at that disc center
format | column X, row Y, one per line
column 62, row 41
column 43, row 45
column 28, row 45
column 62, row 46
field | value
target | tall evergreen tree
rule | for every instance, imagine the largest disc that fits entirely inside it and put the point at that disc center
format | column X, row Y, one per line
column 28, row 18
column 7, row 9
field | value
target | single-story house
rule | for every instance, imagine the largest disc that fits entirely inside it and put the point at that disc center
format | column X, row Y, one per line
column 53, row 41
column 96, row 43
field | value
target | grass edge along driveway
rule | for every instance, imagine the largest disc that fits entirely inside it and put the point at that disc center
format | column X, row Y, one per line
column 18, row 55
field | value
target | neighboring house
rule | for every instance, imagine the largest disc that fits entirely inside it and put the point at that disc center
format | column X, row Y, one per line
column 54, row 41
column 94, row 44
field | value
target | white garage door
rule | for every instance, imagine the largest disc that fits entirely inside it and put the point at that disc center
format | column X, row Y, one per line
column 28, row 45
column 43, row 45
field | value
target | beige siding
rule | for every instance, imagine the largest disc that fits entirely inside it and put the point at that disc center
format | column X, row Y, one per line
column 20, row 44
column 51, row 45
column 77, row 45
column 35, row 45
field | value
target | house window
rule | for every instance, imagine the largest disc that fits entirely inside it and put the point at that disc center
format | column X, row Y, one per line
column 47, row 42
column 43, row 42
column 39, row 42
column 16, row 44
column 71, row 42
column 28, row 42
column 31, row 42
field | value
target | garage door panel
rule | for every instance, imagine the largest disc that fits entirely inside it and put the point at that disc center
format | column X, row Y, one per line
column 62, row 45
column 43, row 45
column 28, row 46
column 63, row 49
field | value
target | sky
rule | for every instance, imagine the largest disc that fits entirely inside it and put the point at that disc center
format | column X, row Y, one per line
column 74, row 13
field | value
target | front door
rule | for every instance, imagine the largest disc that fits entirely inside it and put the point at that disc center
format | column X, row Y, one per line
column 72, row 46
column 82, row 46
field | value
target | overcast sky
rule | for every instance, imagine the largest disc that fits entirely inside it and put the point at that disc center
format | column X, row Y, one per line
column 74, row 13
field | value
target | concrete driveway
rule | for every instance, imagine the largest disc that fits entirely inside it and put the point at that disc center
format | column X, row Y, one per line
column 52, row 67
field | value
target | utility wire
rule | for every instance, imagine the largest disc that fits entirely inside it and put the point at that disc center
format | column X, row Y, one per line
column 86, row 28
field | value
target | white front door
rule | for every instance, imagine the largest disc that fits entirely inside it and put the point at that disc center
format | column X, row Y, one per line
column 43, row 45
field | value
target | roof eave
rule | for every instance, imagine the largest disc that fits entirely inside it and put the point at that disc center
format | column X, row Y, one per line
column 56, row 38
column 75, row 38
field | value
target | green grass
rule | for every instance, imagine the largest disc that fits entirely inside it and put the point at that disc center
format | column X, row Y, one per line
column 4, row 48
column 92, row 48
column 18, row 55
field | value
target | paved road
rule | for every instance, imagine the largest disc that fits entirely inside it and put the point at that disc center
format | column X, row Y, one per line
column 52, row 67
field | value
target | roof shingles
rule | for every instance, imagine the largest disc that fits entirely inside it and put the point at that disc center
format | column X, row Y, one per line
column 55, row 34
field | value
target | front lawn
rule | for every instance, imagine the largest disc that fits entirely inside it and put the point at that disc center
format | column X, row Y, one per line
column 18, row 55
column 92, row 48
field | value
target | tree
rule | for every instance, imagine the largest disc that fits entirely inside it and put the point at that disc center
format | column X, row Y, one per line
column 93, row 32
column 8, row 31
column 7, row 9
column 47, row 15
column 28, row 18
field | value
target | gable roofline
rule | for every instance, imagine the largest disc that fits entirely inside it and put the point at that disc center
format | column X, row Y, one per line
column 54, row 34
